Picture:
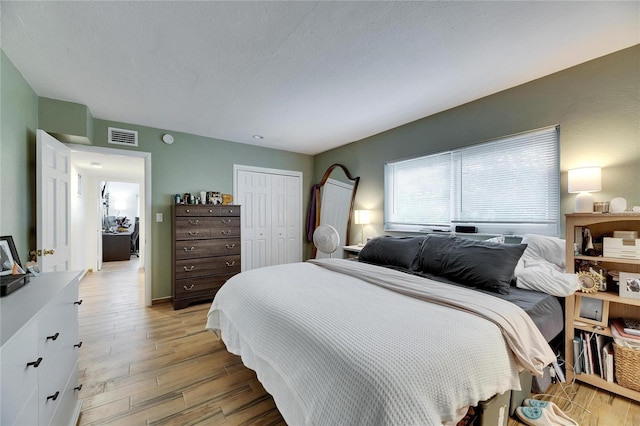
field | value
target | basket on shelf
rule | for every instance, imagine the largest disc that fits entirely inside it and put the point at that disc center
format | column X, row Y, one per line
column 627, row 365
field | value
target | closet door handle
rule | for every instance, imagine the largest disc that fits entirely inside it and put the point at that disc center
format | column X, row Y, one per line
column 35, row 364
column 230, row 246
column 54, row 337
column 189, row 249
column 233, row 262
column 189, row 268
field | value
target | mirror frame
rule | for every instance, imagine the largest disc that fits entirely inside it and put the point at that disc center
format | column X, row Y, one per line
column 317, row 189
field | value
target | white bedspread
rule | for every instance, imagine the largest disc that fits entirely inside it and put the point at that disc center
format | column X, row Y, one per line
column 335, row 349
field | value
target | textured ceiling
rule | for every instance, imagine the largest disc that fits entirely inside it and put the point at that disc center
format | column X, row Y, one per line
column 308, row 76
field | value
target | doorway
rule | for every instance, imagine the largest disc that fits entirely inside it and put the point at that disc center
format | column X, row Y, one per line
column 93, row 166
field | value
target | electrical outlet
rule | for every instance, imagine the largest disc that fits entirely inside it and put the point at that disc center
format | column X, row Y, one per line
column 159, row 217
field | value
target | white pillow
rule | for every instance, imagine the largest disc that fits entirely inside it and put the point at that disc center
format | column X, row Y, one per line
column 542, row 249
column 547, row 280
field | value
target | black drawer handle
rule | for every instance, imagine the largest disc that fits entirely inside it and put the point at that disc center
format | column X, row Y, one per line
column 188, row 288
column 226, row 222
column 35, row 364
column 78, row 388
column 226, row 232
column 189, row 268
column 78, row 345
column 79, row 302
column 193, row 232
column 194, row 222
column 189, row 249
column 54, row 396
column 233, row 262
column 54, row 337
column 230, row 246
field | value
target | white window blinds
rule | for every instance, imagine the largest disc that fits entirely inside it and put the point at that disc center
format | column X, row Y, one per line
column 509, row 185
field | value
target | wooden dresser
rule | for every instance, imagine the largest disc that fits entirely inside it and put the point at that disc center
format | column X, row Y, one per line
column 206, row 251
column 39, row 355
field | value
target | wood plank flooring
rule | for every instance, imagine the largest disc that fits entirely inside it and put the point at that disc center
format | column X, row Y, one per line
column 157, row 366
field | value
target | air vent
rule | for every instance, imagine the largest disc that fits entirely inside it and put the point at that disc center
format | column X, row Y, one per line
column 123, row 137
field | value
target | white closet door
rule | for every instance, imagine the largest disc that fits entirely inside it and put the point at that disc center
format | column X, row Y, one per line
column 254, row 196
column 271, row 229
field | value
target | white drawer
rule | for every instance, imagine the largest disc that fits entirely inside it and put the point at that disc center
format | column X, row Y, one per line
column 18, row 379
column 69, row 405
column 29, row 413
column 58, row 322
column 53, row 381
column 621, row 248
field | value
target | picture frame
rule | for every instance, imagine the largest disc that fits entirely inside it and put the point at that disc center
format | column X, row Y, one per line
column 629, row 285
column 8, row 255
column 592, row 310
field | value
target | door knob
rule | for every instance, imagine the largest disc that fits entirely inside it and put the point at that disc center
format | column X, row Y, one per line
column 46, row 252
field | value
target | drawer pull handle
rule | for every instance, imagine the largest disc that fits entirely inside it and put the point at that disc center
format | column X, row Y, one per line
column 78, row 388
column 54, row 396
column 78, row 345
column 189, row 268
column 226, row 222
column 233, row 262
column 194, row 222
column 54, row 337
column 188, row 288
column 187, row 211
column 230, row 210
column 193, row 232
column 226, row 232
column 230, row 246
column 35, row 364
column 79, row 302
column 210, row 211
column 189, row 249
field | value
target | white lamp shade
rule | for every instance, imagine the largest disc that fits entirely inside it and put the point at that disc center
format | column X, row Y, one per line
column 362, row 217
column 585, row 179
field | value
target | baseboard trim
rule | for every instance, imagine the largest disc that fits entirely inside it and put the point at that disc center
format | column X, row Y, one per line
column 160, row 300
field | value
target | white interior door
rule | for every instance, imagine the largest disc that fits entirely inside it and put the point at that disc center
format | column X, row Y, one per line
column 53, row 165
column 271, row 228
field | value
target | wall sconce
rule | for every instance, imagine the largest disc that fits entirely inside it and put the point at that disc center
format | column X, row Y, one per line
column 362, row 217
column 584, row 181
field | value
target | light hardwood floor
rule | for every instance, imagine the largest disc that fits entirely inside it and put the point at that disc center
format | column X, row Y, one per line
column 157, row 366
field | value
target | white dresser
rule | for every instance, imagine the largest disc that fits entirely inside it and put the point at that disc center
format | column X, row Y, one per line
column 39, row 354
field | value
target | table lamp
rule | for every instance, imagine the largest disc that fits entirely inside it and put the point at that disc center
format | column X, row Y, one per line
column 362, row 217
column 583, row 181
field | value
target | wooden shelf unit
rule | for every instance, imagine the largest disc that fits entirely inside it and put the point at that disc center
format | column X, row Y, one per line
column 599, row 224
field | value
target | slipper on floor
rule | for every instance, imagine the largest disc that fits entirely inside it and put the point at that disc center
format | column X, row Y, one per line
column 562, row 418
column 536, row 416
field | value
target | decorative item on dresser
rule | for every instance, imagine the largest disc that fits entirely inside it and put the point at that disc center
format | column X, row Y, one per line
column 39, row 334
column 589, row 317
column 206, row 251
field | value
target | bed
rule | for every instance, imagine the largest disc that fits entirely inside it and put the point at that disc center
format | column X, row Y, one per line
column 389, row 339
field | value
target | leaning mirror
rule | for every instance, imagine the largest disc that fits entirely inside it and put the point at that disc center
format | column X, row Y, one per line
column 334, row 198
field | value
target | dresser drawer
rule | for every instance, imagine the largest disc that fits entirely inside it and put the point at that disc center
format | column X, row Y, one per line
column 191, row 268
column 199, row 286
column 192, row 228
column 225, row 231
column 195, row 210
column 57, row 325
column 53, row 383
column 18, row 379
column 230, row 210
column 193, row 249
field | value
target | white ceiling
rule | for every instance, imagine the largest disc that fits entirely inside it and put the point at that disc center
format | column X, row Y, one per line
column 307, row 75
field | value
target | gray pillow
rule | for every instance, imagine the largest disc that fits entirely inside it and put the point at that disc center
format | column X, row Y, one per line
column 473, row 263
column 399, row 252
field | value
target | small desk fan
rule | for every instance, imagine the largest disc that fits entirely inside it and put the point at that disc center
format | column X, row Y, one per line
column 326, row 239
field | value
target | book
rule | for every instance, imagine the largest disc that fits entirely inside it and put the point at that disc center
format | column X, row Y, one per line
column 619, row 327
column 586, row 348
column 607, row 355
column 600, row 342
column 578, row 358
column 631, row 326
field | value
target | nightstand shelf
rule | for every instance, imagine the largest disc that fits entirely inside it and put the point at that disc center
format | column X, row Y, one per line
column 613, row 306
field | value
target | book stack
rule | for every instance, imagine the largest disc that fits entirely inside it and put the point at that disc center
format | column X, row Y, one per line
column 593, row 354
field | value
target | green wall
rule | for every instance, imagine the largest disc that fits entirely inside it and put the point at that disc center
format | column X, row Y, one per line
column 18, row 124
column 596, row 104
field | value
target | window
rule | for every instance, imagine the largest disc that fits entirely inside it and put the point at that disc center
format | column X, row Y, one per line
column 509, row 186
